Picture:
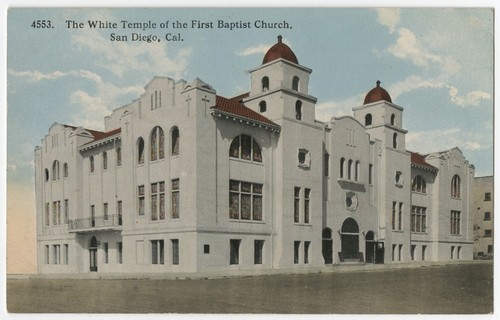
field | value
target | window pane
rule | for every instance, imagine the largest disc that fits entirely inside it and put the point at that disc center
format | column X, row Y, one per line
column 257, row 155
column 161, row 144
column 234, row 185
column 246, row 187
column 246, row 145
column 234, row 150
column 154, row 207
column 234, row 205
column 246, row 206
column 257, row 208
column 175, row 205
column 162, row 206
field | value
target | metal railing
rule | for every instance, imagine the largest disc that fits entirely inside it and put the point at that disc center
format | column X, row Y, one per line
column 111, row 220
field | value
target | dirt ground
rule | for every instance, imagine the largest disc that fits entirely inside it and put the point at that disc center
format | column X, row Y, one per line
column 451, row 289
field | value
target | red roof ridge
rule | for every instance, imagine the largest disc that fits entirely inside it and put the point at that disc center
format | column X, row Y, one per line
column 236, row 108
column 418, row 159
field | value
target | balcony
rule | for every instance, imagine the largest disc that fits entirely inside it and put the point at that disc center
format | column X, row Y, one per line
column 99, row 223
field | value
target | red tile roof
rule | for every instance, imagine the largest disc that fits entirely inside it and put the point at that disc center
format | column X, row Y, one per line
column 98, row 135
column 419, row 160
column 241, row 96
column 236, row 108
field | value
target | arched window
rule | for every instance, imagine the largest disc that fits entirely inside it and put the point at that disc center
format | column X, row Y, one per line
column 91, row 162
column 295, row 83
column 265, row 84
column 246, row 148
column 157, row 144
column 298, row 110
column 140, row 150
column 455, row 187
column 55, row 170
column 46, row 175
column 419, row 185
column 118, row 156
column 65, row 170
column 349, row 169
column 368, row 119
column 175, row 141
column 395, row 140
column 393, row 119
column 356, row 171
column 262, row 106
column 104, row 160
column 342, row 163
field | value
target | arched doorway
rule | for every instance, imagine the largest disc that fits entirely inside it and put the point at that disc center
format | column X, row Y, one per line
column 93, row 254
column 349, row 235
column 370, row 247
column 327, row 245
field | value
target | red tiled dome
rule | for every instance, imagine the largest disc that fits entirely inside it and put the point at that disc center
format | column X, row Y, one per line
column 377, row 94
column 280, row 50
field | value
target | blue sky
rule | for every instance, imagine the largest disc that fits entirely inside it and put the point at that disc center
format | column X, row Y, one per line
column 435, row 63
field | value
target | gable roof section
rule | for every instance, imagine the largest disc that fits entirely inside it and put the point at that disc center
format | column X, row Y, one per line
column 233, row 108
column 418, row 160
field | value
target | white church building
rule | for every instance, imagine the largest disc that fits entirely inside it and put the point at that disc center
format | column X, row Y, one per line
column 185, row 180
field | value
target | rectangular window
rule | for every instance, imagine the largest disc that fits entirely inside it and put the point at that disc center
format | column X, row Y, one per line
column 92, row 215
column 306, row 204
column 452, row 252
column 66, row 254
column 245, row 200
column 458, row 252
column 119, row 249
column 57, row 254
column 140, row 195
column 47, row 254
column 327, row 165
column 394, row 207
column 106, row 252
column 257, row 251
column 118, row 156
column 487, row 196
column 400, row 216
column 175, row 251
column 455, row 222
column 206, row 249
column 296, row 248
column 176, row 201
column 400, row 253
column 234, row 251
column 394, row 252
column 66, row 211
column 487, row 233
column 424, row 248
column 306, row 251
column 412, row 252
column 157, row 249
column 487, row 216
column 105, row 211
column 370, row 173
column 56, row 213
column 119, row 208
column 296, row 205
column 418, row 219
column 158, row 201
column 47, row 214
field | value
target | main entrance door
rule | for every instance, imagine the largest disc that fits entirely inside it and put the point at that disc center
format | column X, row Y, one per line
column 327, row 245
column 370, row 247
column 350, row 239
column 93, row 254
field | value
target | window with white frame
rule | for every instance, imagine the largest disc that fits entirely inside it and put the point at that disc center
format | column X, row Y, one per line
column 418, row 219
column 455, row 187
column 176, row 199
column 418, row 184
column 175, row 251
column 245, row 200
column 141, row 200
column 157, row 252
column 455, row 222
column 105, row 160
column 158, row 201
column 157, row 144
column 246, row 148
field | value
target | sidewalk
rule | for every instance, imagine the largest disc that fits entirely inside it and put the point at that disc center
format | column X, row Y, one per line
column 336, row 268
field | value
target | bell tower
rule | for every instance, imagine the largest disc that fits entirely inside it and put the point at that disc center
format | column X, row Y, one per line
column 280, row 86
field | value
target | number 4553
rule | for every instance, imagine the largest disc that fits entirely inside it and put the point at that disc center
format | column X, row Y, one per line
column 40, row 24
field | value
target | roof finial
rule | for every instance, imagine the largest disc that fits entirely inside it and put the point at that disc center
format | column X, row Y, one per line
column 378, row 83
column 279, row 38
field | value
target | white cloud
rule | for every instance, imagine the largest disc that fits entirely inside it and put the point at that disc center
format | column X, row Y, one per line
column 408, row 47
column 328, row 109
column 128, row 57
column 427, row 142
column 389, row 17
column 260, row 49
column 470, row 99
column 54, row 75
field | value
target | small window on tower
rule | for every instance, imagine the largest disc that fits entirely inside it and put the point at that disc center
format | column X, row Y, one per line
column 304, row 158
column 262, row 106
